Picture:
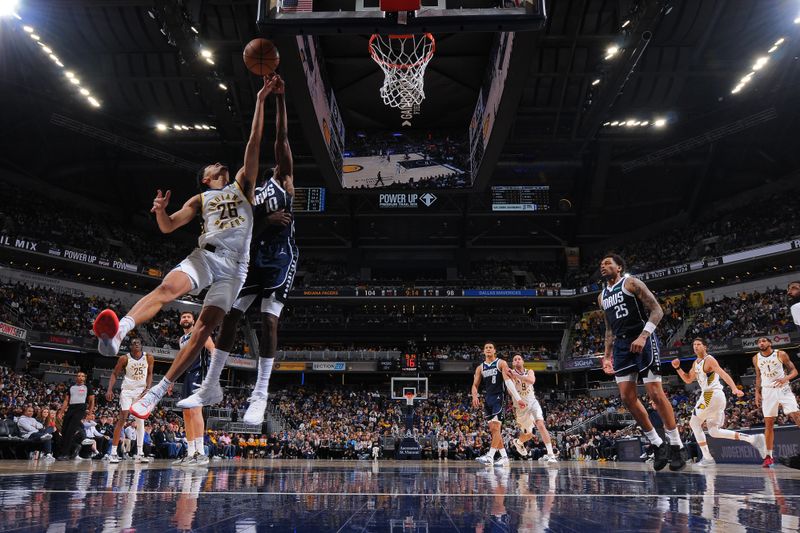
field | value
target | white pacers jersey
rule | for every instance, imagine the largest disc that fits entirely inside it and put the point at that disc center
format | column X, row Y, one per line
column 135, row 373
column 771, row 369
column 707, row 381
column 524, row 389
column 227, row 219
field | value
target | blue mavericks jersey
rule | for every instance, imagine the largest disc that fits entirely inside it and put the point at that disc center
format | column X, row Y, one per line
column 623, row 310
column 269, row 198
column 491, row 378
column 202, row 361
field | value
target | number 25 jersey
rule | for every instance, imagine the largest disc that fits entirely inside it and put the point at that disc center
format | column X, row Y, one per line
column 624, row 312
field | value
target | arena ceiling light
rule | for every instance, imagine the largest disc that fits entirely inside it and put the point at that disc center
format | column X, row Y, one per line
column 631, row 123
column 164, row 127
column 68, row 74
column 611, row 51
column 8, row 8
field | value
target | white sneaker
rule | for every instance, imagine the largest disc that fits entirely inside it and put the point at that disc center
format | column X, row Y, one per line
column 503, row 461
column 109, row 347
column 706, row 462
column 199, row 459
column 114, row 459
column 255, row 411
column 207, row 394
column 180, row 462
column 551, row 458
column 49, row 457
column 485, row 459
column 760, row 443
column 142, row 459
column 142, row 407
column 520, row 447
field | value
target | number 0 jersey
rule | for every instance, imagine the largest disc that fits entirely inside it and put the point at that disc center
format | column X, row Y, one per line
column 227, row 219
column 135, row 373
column 624, row 312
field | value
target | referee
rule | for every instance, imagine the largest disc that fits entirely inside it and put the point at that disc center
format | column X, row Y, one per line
column 73, row 411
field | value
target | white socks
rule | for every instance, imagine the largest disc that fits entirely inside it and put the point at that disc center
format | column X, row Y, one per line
column 218, row 360
column 503, row 452
column 549, row 446
column 190, row 448
column 653, row 437
column 199, row 446
column 264, row 372
column 705, row 450
column 492, row 452
column 161, row 388
column 139, row 437
column 673, row 436
column 126, row 324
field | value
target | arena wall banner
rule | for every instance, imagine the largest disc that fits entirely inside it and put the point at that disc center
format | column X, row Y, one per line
column 7, row 330
column 778, row 339
column 581, row 363
column 289, row 367
column 168, row 354
column 787, row 444
column 324, row 366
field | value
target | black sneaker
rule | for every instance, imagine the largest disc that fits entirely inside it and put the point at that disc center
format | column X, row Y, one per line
column 661, row 456
column 677, row 458
column 791, row 462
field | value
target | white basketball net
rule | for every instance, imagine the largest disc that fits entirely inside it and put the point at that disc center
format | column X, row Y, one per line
column 403, row 59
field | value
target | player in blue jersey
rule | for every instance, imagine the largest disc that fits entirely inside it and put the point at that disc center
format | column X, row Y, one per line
column 491, row 373
column 632, row 314
column 273, row 264
column 193, row 418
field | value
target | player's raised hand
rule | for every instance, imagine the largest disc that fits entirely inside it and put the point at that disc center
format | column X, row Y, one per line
column 161, row 201
column 280, row 85
column 522, row 404
column 269, row 86
column 608, row 365
column 676, row 363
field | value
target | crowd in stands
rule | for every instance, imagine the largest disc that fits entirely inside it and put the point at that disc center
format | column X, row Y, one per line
column 59, row 225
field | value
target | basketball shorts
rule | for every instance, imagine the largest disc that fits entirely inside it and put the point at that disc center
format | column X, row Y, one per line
column 128, row 396
column 192, row 380
column 772, row 398
column 270, row 277
column 628, row 366
column 493, row 407
column 221, row 272
column 710, row 408
column 526, row 418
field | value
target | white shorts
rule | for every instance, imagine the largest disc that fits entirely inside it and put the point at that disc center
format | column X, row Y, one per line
column 710, row 408
column 269, row 305
column 223, row 274
column 650, row 377
column 772, row 398
column 526, row 418
column 127, row 397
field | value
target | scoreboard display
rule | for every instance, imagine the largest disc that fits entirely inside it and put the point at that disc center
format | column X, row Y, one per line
column 521, row 198
column 308, row 200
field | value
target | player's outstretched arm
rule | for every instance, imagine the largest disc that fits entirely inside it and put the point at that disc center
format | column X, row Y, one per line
column 510, row 387
column 248, row 174
column 283, row 152
column 686, row 377
column 713, row 365
column 608, row 348
column 181, row 217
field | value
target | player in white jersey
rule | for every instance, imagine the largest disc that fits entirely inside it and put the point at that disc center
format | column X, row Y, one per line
column 137, row 369
column 219, row 262
column 773, row 390
column 193, row 417
column 710, row 406
column 526, row 418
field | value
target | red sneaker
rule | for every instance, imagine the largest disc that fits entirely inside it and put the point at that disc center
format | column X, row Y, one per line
column 768, row 462
column 106, row 324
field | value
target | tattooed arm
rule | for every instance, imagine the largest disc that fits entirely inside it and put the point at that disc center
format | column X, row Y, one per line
column 655, row 313
column 608, row 352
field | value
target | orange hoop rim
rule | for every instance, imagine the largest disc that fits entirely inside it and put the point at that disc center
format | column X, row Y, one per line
column 385, row 63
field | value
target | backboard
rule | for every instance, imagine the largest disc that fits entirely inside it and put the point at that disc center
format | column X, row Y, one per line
column 401, row 385
column 331, row 17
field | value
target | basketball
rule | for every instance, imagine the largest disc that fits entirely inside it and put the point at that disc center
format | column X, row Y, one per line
column 261, row 57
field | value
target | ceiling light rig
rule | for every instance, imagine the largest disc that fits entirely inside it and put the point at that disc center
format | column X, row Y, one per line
column 164, row 127
column 759, row 64
column 69, row 75
column 633, row 123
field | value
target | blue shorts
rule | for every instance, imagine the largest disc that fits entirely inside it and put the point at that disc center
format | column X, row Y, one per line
column 270, row 275
column 192, row 380
column 627, row 362
column 493, row 406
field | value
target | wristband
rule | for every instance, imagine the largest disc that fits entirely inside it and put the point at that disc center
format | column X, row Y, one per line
column 649, row 327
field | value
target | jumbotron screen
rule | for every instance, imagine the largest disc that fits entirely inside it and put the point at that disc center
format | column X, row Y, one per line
column 521, row 198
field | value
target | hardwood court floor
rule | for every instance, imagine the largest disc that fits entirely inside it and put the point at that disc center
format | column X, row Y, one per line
column 392, row 496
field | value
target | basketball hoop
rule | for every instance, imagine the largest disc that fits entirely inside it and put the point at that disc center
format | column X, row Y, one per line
column 410, row 397
column 403, row 59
